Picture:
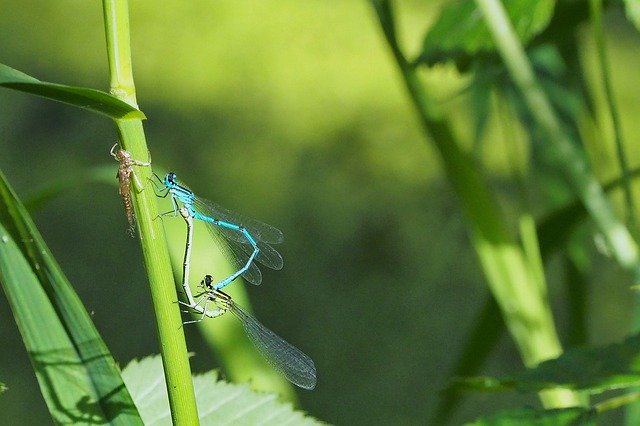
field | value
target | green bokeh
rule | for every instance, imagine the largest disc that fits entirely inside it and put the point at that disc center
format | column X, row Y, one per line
column 293, row 113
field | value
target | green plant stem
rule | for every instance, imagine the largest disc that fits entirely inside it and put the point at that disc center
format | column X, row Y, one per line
column 616, row 402
column 569, row 159
column 595, row 7
column 154, row 248
column 515, row 286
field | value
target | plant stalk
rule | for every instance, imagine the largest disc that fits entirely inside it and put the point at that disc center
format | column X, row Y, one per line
column 595, row 7
column 516, row 287
column 173, row 346
column 569, row 159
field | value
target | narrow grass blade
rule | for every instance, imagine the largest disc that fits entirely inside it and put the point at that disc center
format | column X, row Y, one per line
column 79, row 379
column 83, row 97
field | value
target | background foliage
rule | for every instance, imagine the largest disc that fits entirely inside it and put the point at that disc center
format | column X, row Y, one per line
column 293, row 112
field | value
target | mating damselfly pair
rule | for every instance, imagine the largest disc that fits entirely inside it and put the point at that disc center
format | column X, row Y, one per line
column 243, row 241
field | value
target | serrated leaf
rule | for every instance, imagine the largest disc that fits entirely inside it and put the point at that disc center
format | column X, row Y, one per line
column 573, row 416
column 219, row 403
column 593, row 370
column 83, row 97
column 460, row 31
column 77, row 375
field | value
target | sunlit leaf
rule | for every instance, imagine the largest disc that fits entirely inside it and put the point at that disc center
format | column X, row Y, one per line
column 86, row 98
column 632, row 9
column 219, row 403
column 77, row 375
column 461, row 30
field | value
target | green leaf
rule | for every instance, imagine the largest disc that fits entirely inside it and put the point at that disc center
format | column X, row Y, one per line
column 573, row 416
column 77, row 375
column 91, row 99
column 593, row 370
column 556, row 227
column 460, row 31
column 3, row 387
column 632, row 9
column 218, row 402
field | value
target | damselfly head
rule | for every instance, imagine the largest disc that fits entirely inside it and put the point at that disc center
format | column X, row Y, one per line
column 170, row 179
column 207, row 282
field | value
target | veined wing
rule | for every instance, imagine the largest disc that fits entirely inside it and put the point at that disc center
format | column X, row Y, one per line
column 260, row 231
column 236, row 255
column 296, row 366
column 268, row 256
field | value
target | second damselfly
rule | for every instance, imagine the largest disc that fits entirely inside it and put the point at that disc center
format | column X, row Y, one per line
column 249, row 240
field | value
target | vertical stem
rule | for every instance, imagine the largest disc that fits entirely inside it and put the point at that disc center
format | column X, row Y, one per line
column 173, row 347
column 595, row 7
column 569, row 159
column 518, row 291
column 116, row 23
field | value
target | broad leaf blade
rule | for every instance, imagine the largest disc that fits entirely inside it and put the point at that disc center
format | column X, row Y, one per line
column 91, row 99
column 77, row 374
column 219, row 403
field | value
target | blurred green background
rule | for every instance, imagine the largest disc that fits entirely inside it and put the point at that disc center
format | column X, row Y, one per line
column 293, row 113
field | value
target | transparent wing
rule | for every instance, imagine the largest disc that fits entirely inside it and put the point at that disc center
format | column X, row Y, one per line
column 235, row 253
column 240, row 252
column 238, row 242
column 235, row 245
column 297, row 367
column 268, row 256
column 258, row 230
